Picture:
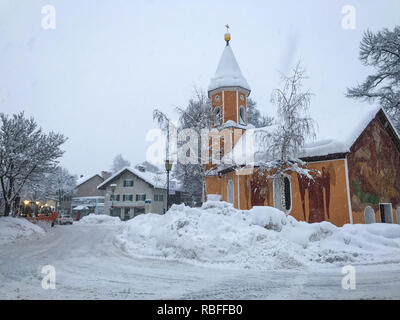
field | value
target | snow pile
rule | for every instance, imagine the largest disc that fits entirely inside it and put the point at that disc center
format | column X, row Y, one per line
column 262, row 238
column 100, row 219
column 12, row 229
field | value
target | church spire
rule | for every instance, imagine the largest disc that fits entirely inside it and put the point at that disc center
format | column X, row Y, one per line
column 228, row 72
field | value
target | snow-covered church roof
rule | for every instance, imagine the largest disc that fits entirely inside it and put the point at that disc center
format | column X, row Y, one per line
column 228, row 72
column 252, row 146
column 340, row 143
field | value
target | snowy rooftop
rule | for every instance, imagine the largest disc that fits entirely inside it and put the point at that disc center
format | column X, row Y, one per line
column 341, row 142
column 342, row 137
column 157, row 180
column 231, row 123
column 86, row 178
column 228, row 73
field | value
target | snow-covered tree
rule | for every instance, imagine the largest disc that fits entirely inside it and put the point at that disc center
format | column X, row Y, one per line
column 255, row 117
column 119, row 163
column 148, row 167
column 294, row 126
column 26, row 153
column 57, row 184
column 381, row 51
column 164, row 123
column 197, row 116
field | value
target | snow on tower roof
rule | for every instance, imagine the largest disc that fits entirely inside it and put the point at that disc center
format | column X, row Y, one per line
column 228, row 73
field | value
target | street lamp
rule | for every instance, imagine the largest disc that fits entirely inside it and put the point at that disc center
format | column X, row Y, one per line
column 113, row 186
column 168, row 167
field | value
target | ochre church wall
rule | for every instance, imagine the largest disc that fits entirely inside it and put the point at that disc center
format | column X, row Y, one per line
column 319, row 203
column 374, row 178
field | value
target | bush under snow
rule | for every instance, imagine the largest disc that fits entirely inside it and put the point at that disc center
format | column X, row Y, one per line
column 262, row 237
column 12, row 229
column 100, row 219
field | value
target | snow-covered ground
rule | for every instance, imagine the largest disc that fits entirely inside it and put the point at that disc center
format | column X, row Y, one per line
column 156, row 257
column 14, row 229
column 100, row 219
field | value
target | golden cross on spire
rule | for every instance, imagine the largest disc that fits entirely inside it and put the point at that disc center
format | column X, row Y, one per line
column 227, row 27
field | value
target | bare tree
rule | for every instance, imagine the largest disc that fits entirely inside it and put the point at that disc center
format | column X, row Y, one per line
column 294, row 126
column 164, row 123
column 26, row 153
column 196, row 116
column 381, row 51
column 119, row 163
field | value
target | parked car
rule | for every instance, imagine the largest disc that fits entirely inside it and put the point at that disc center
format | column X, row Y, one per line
column 64, row 219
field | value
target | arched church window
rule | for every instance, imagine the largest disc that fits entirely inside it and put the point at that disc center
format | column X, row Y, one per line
column 242, row 97
column 288, row 193
column 217, row 116
column 217, row 98
column 283, row 193
column 242, row 115
column 230, row 192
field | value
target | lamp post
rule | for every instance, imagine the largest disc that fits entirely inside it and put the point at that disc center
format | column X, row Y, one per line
column 168, row 167
column 113, row 186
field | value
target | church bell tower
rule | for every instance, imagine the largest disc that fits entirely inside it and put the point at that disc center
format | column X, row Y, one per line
column 228, row 91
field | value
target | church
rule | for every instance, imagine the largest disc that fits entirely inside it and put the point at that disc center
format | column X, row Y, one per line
column 358, row 179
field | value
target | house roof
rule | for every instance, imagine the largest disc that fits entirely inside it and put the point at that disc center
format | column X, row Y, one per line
column 156, row 180
column 228, row 72
column 254, row 141
column 86, row 179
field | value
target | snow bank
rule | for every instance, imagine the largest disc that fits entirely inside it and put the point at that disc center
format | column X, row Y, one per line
column 100, row 219
column 262, row 238
column 12, row 229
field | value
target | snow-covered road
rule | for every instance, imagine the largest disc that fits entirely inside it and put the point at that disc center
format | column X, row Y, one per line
column 90, row 266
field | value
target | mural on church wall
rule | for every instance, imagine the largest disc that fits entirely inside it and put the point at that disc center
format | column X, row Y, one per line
column 260, row 190
column 319, row 194
column 374, row 169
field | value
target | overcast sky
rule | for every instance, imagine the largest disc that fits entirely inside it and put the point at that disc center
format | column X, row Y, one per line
column 98, row 76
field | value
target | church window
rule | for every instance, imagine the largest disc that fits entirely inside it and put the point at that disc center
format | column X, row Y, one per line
column 283, row 193
column 230, row 191
column 217, row 116
column 217, row 98
column 242, row 115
